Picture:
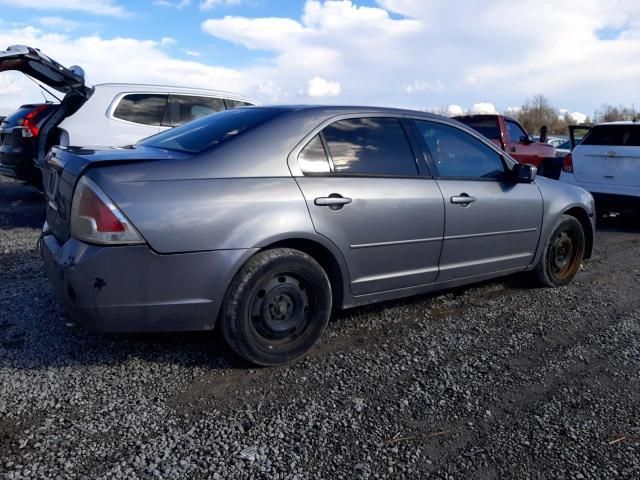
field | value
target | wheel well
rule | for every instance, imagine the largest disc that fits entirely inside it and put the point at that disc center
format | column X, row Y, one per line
column 324, row 257
column 583, row 218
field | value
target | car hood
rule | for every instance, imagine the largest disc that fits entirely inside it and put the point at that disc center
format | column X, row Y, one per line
column 32, row 62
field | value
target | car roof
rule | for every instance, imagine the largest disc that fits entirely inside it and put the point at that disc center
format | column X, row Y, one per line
column 621, row 122
column 332, row 110
column 124, row 87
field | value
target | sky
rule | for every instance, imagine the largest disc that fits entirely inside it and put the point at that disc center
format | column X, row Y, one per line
column 455, row 56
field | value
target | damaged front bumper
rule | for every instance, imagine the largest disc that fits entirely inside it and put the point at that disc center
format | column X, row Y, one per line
column 133, row 289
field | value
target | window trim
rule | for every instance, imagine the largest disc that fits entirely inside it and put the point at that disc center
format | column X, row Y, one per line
column 467, row 130
column 292, row 159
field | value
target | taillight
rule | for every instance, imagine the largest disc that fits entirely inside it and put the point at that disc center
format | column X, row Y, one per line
column 96, row 219
column 567, row 164
column 29, row 127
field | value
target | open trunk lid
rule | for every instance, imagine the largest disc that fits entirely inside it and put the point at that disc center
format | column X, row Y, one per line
column 44, row 69
column 65, row 166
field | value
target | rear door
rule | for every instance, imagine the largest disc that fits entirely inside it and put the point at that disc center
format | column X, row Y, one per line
column 371, row 196
column 609, row 154
column 492, row 224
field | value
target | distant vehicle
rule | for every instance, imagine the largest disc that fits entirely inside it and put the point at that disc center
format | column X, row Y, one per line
column 263, row 219
column 555, row 142
column 19, row 137
column 563, row 148
column 510, row 136
column 111, row 114
column 607, row 163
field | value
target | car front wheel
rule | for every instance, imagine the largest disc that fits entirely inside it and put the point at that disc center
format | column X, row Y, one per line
column 277, row 307
column 562, row 254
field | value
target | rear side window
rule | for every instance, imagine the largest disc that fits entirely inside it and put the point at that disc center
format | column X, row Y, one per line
column 370, row 146
column 485, row 126
column 185, row 108
column 458, row 154
column 313, row 158
column 207, row 132
column 236, row 103
column 613, row 135
column 143, row 108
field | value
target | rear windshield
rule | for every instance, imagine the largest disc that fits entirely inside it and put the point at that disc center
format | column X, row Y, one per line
column 485, row 126
column 207, row 132
column 613, row 135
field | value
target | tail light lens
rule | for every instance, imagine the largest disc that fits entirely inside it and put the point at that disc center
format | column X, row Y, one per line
column 567, row 164
column 96, row 219
column 29, row 123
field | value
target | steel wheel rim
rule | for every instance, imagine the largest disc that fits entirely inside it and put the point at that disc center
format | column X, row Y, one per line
column 564, row 256
column 281, row 310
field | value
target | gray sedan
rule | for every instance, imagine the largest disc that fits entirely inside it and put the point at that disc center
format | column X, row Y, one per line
column 262, row 220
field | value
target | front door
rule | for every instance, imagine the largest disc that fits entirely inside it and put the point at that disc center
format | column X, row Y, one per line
column 370, row 197
column 492, row 224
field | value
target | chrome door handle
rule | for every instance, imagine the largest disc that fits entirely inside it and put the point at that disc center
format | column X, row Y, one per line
column 463, row 199
column 335, row 201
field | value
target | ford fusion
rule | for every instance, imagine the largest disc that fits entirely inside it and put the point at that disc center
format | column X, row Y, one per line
column 261, row 221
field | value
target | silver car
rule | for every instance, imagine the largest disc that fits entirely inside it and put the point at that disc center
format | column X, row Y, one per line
column 262, row 220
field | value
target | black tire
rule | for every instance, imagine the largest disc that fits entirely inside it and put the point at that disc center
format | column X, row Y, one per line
column 563, row 253
column 276, row 307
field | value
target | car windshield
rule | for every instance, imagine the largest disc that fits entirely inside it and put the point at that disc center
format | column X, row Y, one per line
column 207, row 132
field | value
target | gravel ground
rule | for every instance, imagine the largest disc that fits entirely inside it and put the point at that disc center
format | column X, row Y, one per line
column 493, row 381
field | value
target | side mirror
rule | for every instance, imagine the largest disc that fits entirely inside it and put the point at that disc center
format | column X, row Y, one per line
column 523, row 173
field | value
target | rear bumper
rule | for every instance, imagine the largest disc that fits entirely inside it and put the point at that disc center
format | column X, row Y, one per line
column 17, row 162
column 132, row 289
column 608, row 196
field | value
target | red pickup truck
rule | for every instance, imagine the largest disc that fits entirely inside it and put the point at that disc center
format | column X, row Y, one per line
column 511, row 137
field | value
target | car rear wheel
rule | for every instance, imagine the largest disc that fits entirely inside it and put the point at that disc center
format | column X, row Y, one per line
column 563, row 253
column 277, row 307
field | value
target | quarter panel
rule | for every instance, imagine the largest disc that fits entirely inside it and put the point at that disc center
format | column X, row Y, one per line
column 188, row 215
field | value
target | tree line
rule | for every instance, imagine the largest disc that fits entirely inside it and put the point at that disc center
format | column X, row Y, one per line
column 538, row 111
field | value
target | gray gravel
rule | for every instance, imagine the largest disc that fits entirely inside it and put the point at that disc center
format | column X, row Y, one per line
column 494, row 381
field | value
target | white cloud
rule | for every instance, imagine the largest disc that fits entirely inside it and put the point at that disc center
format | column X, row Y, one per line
column 421, row 86
column 58, row 23
column 102, row 61
column 166, row 41
column 209, row 4
column 97, row 7
column 484, row 107
column 178, row 4
column 454, row 110
column 319, row 87
column 578, row 117
column 192, row 53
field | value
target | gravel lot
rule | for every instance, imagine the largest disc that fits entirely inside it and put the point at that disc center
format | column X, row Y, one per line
column 493, row 381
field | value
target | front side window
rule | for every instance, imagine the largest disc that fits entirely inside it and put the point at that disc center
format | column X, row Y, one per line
column 458, row 154
column 185, row 108
column 370, row 146
column 515, row 132
column 143, row 108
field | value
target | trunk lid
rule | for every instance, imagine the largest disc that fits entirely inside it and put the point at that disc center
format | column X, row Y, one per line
column 65, row 166
column 32, row 62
